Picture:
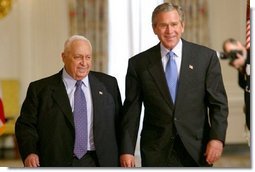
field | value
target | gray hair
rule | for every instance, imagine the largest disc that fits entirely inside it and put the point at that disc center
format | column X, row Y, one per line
column 75, row 38
column 165, row 7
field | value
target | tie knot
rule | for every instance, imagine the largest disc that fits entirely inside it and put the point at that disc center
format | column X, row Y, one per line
column 170, row 54
column 78, row 83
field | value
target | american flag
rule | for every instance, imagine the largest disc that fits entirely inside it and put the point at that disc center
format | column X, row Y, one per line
column 248, row 26
column 2, row 117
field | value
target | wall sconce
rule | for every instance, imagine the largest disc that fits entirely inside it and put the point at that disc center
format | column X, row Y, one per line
column 5, row 7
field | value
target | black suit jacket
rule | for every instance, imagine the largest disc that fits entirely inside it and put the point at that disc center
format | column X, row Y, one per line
column 46, row 126
column 201, row 98
column 244, row 83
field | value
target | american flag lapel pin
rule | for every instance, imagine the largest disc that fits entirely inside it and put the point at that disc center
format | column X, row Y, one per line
column 100, row 92
column 191, row 67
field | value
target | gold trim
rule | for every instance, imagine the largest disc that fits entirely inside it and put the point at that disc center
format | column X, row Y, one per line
column 5, row 7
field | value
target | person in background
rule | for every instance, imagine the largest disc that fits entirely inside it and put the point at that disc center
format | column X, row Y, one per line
column 186, row 108
column 240, row 61
column 48, row 131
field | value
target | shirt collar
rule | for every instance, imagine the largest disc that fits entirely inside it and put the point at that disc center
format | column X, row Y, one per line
column 70, row 82
column 177, row 49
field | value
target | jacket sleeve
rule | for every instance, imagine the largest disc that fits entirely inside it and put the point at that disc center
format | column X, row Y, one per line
column 25, row 127
column 217, row 100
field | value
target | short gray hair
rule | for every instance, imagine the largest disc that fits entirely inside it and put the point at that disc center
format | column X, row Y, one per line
column 165, row 7
column 74, row 38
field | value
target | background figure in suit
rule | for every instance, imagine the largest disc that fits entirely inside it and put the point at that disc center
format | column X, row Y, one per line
column 189, row 131
column 241, row 62
column 45, row 129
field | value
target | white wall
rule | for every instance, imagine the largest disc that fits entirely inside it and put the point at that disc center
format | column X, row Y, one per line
column 32, row 38
column 130, row 35
column 226, row 19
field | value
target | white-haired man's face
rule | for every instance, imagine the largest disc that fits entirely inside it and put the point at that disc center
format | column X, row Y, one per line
column 77, row 58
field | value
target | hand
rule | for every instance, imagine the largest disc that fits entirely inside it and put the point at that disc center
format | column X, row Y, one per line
column 127, row 160
column 239, row 62
column 32, row 160
column 214, row 150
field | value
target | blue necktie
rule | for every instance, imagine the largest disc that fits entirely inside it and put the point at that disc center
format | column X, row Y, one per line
column 171, row 75
column 80, row 121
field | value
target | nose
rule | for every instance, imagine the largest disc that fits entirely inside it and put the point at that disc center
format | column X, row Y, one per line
column 168, row 28
column 83, row 61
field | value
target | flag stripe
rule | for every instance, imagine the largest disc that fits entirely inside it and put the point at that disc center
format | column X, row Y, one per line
column 2, row 117
column 248, row 26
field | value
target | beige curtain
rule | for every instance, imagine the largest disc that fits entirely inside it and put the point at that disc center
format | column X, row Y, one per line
column 89, row 18
column 196, row 20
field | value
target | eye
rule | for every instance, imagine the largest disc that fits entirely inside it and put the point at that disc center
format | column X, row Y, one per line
column 88, row 57
column 162, row 25
column 78, row 57
column 174, row 24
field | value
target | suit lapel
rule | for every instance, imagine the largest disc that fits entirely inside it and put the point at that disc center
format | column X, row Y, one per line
column 61, row 98
column 98, row 93
column 156, row 70
column 187, row 66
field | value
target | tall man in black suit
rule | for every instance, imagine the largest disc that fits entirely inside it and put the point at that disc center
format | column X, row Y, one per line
column 189, row 129
column 45, row 129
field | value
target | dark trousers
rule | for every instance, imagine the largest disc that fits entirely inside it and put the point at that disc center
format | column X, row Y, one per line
column 247, row 108
column 88, row 160
column 178, row 155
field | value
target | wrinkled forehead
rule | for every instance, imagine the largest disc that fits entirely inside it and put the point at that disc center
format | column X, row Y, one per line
column 78, row 45
column 74, row 39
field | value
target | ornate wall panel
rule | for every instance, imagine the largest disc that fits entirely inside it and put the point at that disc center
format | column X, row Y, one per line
column 90, row 19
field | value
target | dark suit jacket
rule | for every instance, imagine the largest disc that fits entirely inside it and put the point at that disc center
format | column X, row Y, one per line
column 46, row 126
column 200, row 91
column 244, row 83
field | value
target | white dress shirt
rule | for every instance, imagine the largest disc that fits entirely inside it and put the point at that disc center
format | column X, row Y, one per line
column 177, row 55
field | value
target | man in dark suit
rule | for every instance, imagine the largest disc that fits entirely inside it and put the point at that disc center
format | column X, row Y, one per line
column 45, row 129
column 189, row 129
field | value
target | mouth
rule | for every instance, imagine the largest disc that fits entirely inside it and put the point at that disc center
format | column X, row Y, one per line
column 82, row 70
column 170, row 37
